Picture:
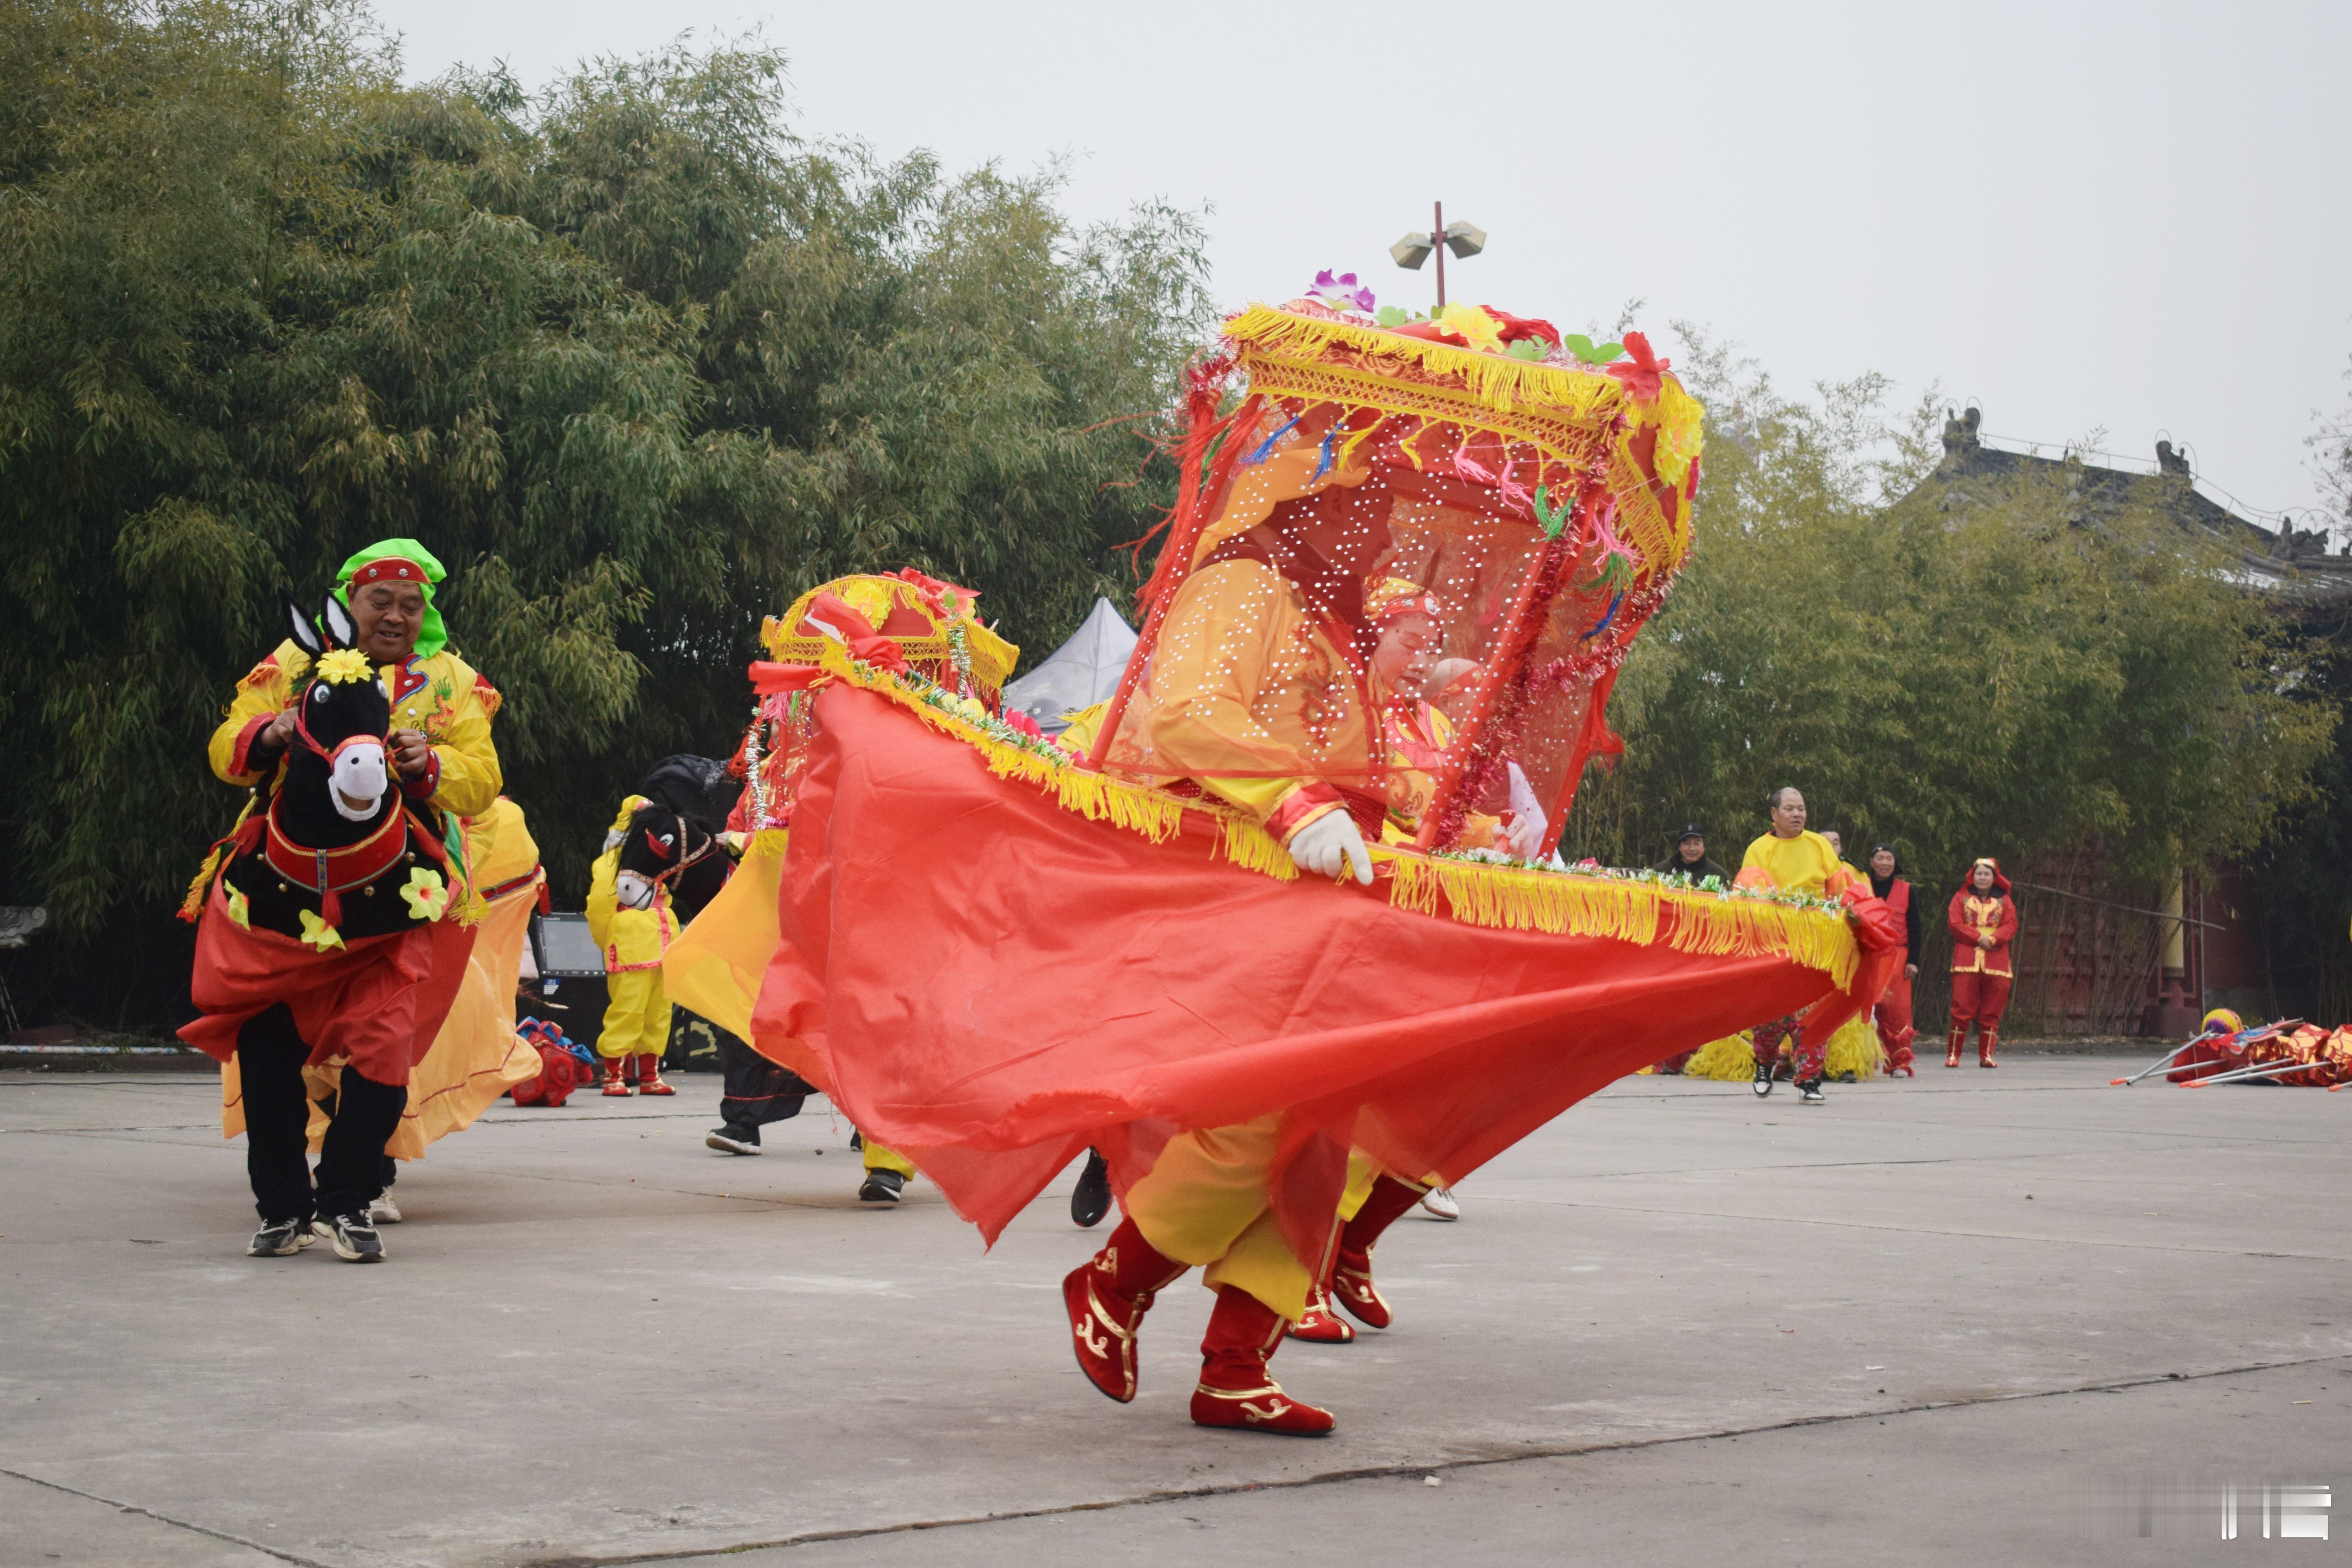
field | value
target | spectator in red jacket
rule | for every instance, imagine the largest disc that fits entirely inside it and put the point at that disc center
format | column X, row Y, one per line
column 1983, row 921
column 1893, row 1013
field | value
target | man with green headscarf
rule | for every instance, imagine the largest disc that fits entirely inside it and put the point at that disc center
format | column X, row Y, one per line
column 441, row 750
column 441, row 707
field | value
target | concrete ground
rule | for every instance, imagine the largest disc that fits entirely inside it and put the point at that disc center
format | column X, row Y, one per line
column 1985, row 1316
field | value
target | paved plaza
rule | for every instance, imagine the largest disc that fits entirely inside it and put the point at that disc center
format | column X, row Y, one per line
column 1989, row 1317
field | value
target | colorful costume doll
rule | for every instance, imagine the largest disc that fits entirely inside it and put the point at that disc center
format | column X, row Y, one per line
column 1983, row 921
column 632, row 890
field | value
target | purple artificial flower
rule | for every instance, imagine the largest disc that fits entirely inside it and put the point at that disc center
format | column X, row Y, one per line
column 1343, row 290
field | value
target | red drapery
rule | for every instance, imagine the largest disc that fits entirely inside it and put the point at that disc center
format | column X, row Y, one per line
column 987, row 983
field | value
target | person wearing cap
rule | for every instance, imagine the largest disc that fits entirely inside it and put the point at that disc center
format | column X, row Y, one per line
column 440, row 750
column 1892, row 1014
column 1983, row 921
column 1690, row 857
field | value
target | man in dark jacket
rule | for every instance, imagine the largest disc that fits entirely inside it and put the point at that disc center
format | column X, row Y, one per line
column 1690, row 857
column 1893, row 1010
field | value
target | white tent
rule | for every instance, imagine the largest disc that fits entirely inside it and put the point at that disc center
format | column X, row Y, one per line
column 1080, row 673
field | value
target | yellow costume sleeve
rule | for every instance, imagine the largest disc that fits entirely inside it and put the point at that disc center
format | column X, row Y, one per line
column 1242, row 684
column 262, row 694
column 1805, row 864
column 453, row 711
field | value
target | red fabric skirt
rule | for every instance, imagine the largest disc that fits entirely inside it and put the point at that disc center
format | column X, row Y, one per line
column 987, row 983
column 377, row 1002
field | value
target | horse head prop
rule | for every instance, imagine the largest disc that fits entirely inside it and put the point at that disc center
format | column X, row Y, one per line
column 340, row 851
column 658, row 847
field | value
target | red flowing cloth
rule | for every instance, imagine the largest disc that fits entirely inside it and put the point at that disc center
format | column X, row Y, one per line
column 987, row 983
column 379, row 1001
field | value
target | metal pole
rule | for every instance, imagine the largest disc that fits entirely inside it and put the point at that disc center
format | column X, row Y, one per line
column 1437, row 243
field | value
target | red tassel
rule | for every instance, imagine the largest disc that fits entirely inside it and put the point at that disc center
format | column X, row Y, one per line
column 330, row 907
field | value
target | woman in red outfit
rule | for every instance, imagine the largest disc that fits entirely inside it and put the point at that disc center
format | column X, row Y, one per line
column 1983, row 921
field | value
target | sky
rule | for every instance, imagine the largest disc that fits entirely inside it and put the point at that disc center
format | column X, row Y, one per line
column 2084, row 218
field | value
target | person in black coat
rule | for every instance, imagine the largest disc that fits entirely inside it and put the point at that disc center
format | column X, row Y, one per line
column 1690, row 857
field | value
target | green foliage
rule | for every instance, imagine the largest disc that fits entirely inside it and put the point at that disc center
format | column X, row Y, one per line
column 1991, row 673
column 635, row 361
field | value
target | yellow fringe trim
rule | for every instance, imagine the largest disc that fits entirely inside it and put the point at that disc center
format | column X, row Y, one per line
column 1253, row 848
column 1498, row 380
column 1731, row 1059
column 1567, row 905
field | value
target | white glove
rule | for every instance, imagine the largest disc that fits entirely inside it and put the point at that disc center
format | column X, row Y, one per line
column 1528, row 824
column 1330, row 845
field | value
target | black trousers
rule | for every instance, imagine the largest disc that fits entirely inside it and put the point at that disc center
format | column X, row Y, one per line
column 269, row 1057
column 755, row 1091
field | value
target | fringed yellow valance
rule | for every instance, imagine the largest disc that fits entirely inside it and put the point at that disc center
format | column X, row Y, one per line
column 1505, row 898
column 1495, row 380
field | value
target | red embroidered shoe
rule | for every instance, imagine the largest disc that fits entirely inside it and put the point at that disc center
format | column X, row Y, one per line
column 613, row 1083
column 1960, row 1038
column 1352, row 1288
column 1320, row 1325
column 1106, row 1298
column 1235, row 1390
column 1986, row 1040
column 649, row 1077
column 1898, row 1060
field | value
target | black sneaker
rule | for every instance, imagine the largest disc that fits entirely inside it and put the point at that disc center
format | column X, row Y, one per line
column 881, row 1188
column 1763, row 1080
column 280, row 1238
column 857, row 1140
column 1809, row 1092
column 1090, row 1199
column 355, row 1239
column 733, row 1139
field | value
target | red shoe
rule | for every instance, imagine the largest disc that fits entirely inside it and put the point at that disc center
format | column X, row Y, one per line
column 1899, row 1062
column 1986, row 1040
column 1320, row 1325
column 1960, row 1038
column 1235, row 1390
column 613, row 1082
column 1106, row 1298
column 1352, row 1288
column 649, row 1077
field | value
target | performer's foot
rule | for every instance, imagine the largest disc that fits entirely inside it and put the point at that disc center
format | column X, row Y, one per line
column 280, row 1238
column 1235, row 1390
column 1952, row 1057
column 1899, row 1062
column 733, row 1139
column 1104, row 1318
column 649, row 1077
column 881, row 1188
column 1438, row 1203
column 382, row 1210
column 1986, row 1040
column 857, row 1140
column 1352, row 1288
column 1763, row 1080
column 1809, row 1092
column 354, row 1238
column 1090, row 1199
column 1320, row 1325
column 615, row 1084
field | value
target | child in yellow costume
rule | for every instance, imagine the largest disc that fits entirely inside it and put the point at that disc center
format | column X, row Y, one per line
column 637, row 1012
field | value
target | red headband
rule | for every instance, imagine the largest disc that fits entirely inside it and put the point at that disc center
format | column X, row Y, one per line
column 391, row 569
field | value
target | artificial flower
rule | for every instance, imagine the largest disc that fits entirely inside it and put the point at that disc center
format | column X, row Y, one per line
column 1343, row 290
column 425, row 894
column 239, row 908
column 1640, row 373
column 344, row 666
column 318, row 932
column 1472, row 325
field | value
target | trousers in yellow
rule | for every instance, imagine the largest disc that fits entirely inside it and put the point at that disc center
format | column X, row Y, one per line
column 636, row 1015
column 1205, row 1202
column 877, row 1158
